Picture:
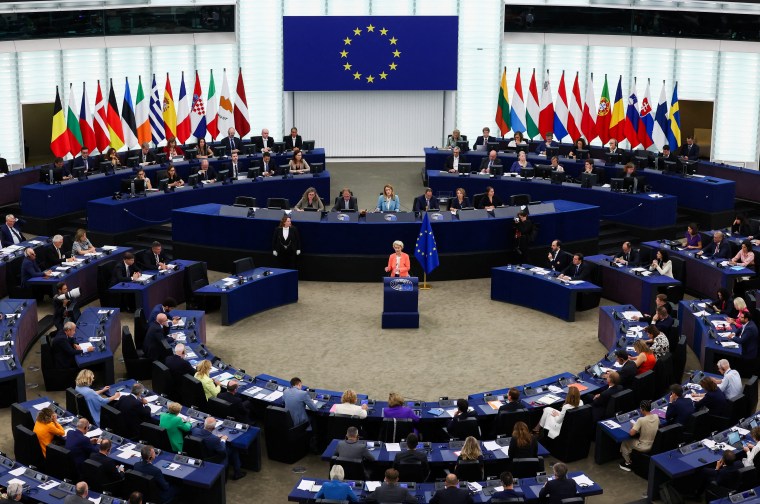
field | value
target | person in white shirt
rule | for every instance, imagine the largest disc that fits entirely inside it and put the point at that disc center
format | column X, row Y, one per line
column 662, row 264
column 752, row 449
column 348, row 405
column 731, row 384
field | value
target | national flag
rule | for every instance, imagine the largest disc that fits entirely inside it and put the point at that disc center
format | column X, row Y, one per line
column 59, row 139
column 85, row 122
column 224, row 113
column 142, row 118
column 646, row 119
column 631, row 127
column 588, row 120
column 72, row 125
column 128, row 118
column 425, row 249
column 575, row 109
column 560, row 111
column 503, row 119
column 242, row 121
column 113, row 121
column 617, row 121
column 155, row 112
column 604, row 115
column 169, row 112
column 517, row 114
column 99, row 122
column 183, row 113
column 674, row 133
column 212, row 124
column 661, row 127
column 198, row 111
column 546, row 116
column 532, row 110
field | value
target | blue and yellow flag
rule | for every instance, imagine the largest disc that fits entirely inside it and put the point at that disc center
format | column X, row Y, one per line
column 674, row 135
column 425, row 249
column 361, row 53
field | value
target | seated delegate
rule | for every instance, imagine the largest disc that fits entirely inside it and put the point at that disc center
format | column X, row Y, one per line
column 298, row 164
column 451, row 141
column 491, row 165
column 310, row 201
column 388, row 201
column 452, row 162
column 551, row 419
column 459, row 201
column 520, row 164
column 489, row 200
column 425, row 201
column 662, row 264
column 693, row 239
column 577, row 270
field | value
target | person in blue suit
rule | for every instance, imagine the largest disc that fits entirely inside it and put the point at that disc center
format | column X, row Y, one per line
column 90, row 164
column 507, row 482
column 388, row 201
column 296, row 402
column 548, row 142
column 146, row 467
column 718, row 249
column 10, row 234
column 747, row 336
column 679, row 408
column 30, row 268
column 166, row 308
column 79, row 445
column 231, row 142
column 219, row 445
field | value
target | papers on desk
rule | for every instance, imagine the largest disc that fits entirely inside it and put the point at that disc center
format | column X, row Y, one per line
column 273, row 396
column 611, row 424
column 179, row 337
column 655, row 195
column 94, row 433
column 583, row 480
column 540, row 271
column 549, row 399
column 493, row 446
column 224, row 378
column 306, row 485
column 496, row 404
column 109, row 247
column 17, row 471
column 451, row 412
column 41, row 406
column 55, row 274
column 49, row 484
column 555, row 389
column 251, row 391
column 62, row 268
column 190, row 354
column 721, row 325
column 474, row 486
column 12, row 249
column 85, row 346
column 724, row 263
column 173, row 466
column 144, row 278
column 392, row 447
column 729, row 344
column 154, row 408
column 127, row 451
column 629, row 315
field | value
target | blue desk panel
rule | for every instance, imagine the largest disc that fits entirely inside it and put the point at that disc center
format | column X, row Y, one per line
column 635, row 209
column 10, row 263
column 165, row 284
column 256, row 294
column 107, row 215
column 696, row 328
column 747, row 179
column 11, row 184
column 570, row 222
column 544, row 293
column 706, row 194
column 91, row 326
column 18, row 328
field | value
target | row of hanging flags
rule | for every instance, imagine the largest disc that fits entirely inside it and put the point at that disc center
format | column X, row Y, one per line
column 572, row 116
column 150, row 117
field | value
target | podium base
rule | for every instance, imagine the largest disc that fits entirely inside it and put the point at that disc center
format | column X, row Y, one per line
column 401, row 320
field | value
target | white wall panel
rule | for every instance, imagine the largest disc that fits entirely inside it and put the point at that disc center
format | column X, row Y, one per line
column 370, row 124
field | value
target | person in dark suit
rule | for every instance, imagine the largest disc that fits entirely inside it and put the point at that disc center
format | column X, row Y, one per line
column 145, row 466
column 134, row 410
column 64, row 309
column 241, row 408
column 165, row 307
column 451, row 493
column 513, row 401
column 231, row 142
column 462, row 413
column 666, row 155
column 718, row 249
column 577, row 270
column 484, row 138
column 508, row 482
column 601, row 400
column 53, row 254
column 153, row 259
column 352, row 448
column 390, row 491
column 268, row 167
column 79, row 445
column 264, row 143
column 725, row 474
column 679, row 407
column 747, row 336
column 559, row 260
column 178, row 367
column 153, row 345
column 713, row 398
column 146, row 156
column 664, row 321
column 218, row 445
column 346, row 201
column 559, row 488
column 425, row 201
column 627, row 256
column 412, row 455
column 10, row 232
column 65, row 348
column 489, row 200
column 30, row 268
column 452, row 162
column 294, row 140
column 460, row 200
column 525, row 233
column 205, row 172
column 548, row 142
column 491, row 165
column 108, row 468
column 126, row 270
column 90, row 164
column 628, row 369
column 690, row 150
column 81, row 492
column 613, row 147
column 286, row 243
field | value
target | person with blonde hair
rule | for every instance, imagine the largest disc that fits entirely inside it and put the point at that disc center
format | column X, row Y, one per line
column 211, row 386
column 175, row 426
column 348, row 405
column 645, row 359
column 470, row 451
column 310, row 201
column 47, row 428
column 94, row 398
column 398, row 262
column 551, row 419
column 388, row 201
column 81, row 244
column 397, row 409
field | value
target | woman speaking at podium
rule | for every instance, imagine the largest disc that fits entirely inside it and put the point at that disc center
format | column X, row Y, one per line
column 398, row 262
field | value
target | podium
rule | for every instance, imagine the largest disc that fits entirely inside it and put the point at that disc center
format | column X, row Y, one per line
column 400, row 303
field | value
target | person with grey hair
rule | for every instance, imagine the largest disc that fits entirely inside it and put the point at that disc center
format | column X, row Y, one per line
column 146, row 467
column 10, row 234
column 218, row 444
column 134, row 410
column 352, row 448
column 561, row 487
column 30, row 269
column 146, row 155
column 717, row 249
column 65, row 348
column 398, row 262
column 14, row 492
column 80, row 496
column 79, row 445
column 731, row 383
column 205, row 172
column 336, row 489
column 53, row 254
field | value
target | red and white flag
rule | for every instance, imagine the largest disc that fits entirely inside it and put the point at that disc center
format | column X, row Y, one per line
column 242, row 122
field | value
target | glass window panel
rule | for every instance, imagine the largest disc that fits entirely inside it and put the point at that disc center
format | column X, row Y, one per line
column 735, row 128
column 392, row 7
column 348, row 7
column 697, row 74
column 36, row 86
column 10, row 110
column 436, row 7
column 304, row 8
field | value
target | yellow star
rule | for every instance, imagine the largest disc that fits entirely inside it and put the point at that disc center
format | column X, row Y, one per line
column 396, row 53
column 344, row 54
column 357, row 31
column 346, row 41
column 393, row 40
column 383, row 75
column 370, row 79
column 347, row 66
column 393, row 66
column 357, row 76
column 383, row 31
column 370, row 28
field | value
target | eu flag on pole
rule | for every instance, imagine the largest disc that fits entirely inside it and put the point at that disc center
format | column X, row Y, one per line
column 425, row 250
column 364, row 53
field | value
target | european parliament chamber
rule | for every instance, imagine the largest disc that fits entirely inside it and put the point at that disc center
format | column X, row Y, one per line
column 195, row 307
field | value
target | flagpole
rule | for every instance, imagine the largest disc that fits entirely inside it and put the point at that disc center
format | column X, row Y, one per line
column 425, row 285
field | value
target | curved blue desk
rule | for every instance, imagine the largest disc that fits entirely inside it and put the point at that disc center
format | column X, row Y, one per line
column 18, row 333
column 11, row 184
column 522, row 285
column 747, row 179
